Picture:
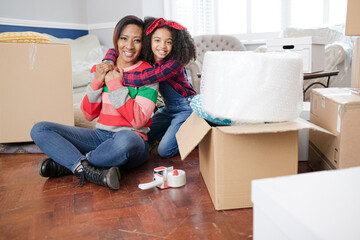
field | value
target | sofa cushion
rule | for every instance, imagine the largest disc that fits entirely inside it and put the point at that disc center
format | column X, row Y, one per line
column 80, row 47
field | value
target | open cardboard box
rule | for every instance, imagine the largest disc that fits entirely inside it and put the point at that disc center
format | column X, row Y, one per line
column 232, row 156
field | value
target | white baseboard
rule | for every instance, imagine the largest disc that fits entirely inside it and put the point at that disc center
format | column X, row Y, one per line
column 106, row 25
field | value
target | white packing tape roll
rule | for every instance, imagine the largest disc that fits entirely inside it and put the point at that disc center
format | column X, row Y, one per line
column 176, row 178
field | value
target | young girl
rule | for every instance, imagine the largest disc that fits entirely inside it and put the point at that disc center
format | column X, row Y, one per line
column 168, row 46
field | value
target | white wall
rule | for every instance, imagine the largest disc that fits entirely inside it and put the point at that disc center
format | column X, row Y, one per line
column 154, row 8
column 103, row 15
column 66, row 11
column 112, row 10
column 99, row 17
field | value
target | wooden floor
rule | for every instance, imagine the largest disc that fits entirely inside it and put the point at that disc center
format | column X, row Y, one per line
column 32, row 207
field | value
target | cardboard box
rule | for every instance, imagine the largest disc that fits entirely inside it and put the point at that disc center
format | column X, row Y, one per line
column 352, row 27
column 35, row 85
column 232, row 156
column 312, row 50
column 338, row 111
column 318, row 205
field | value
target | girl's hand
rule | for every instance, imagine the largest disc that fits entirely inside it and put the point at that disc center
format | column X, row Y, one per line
column 102, row 69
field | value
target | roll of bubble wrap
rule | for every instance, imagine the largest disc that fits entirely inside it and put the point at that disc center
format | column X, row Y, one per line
column 252, row 87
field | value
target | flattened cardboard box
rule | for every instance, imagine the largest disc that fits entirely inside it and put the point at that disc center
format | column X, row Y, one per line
column 338, row 111
column 232, row 156
column 35, row 85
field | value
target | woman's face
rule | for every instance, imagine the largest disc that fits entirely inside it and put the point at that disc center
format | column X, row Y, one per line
column 161, row 43
column 129, row 45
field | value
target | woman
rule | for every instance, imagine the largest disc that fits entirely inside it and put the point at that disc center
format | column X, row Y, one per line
column 120, row 137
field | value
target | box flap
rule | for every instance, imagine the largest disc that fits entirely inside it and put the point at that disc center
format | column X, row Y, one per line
column 295, row 125
column 191, row 133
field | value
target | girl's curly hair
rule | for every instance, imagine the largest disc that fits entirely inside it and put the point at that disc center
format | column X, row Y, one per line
column 183, row 49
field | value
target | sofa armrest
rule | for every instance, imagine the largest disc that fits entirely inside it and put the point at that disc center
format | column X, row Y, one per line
column 334, row 55
column 194, row 69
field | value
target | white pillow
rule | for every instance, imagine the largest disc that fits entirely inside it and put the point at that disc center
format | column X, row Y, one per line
column 80, row 47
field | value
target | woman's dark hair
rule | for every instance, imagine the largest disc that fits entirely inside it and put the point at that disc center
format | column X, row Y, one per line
column 183, row 49
column 130, row 19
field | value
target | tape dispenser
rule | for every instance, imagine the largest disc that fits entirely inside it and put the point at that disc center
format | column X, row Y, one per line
column 165, row 177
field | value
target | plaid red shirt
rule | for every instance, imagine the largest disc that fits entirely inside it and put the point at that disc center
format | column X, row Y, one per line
column 172, row 71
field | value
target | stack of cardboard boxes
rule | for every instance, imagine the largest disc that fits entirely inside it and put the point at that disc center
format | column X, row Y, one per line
column 337, row 110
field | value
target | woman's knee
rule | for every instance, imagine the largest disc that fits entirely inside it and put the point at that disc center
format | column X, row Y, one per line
column 37, row 129
column 127, row 139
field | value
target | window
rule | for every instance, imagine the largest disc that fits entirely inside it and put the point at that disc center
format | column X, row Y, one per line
column 253, row 19
column 265, row 16
column 337, row 11
column 227, row 24
column 311, row 9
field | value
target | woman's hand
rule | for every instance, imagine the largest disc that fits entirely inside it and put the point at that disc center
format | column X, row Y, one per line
column 102, row 69
column 115, row 73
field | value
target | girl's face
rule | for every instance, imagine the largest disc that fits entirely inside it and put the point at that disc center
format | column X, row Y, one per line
column 161, row 43
column 129, row 45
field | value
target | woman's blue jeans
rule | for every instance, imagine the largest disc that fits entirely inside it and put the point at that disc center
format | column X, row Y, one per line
column 68, row 146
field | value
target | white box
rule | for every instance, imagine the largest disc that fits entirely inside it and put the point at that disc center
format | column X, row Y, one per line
column 318, row 205
column 312, row 50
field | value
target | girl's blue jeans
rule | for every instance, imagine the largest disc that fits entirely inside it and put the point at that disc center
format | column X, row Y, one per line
column 165, row 124
column 68, row 146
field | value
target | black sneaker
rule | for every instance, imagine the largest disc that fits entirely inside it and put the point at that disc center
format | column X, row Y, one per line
column 50, row 168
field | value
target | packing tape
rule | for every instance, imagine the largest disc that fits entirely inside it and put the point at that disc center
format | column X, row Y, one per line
column 32, row 56
column 176, row 178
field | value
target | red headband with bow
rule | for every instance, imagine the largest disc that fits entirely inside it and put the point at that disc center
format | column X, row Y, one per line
column 162, row 22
